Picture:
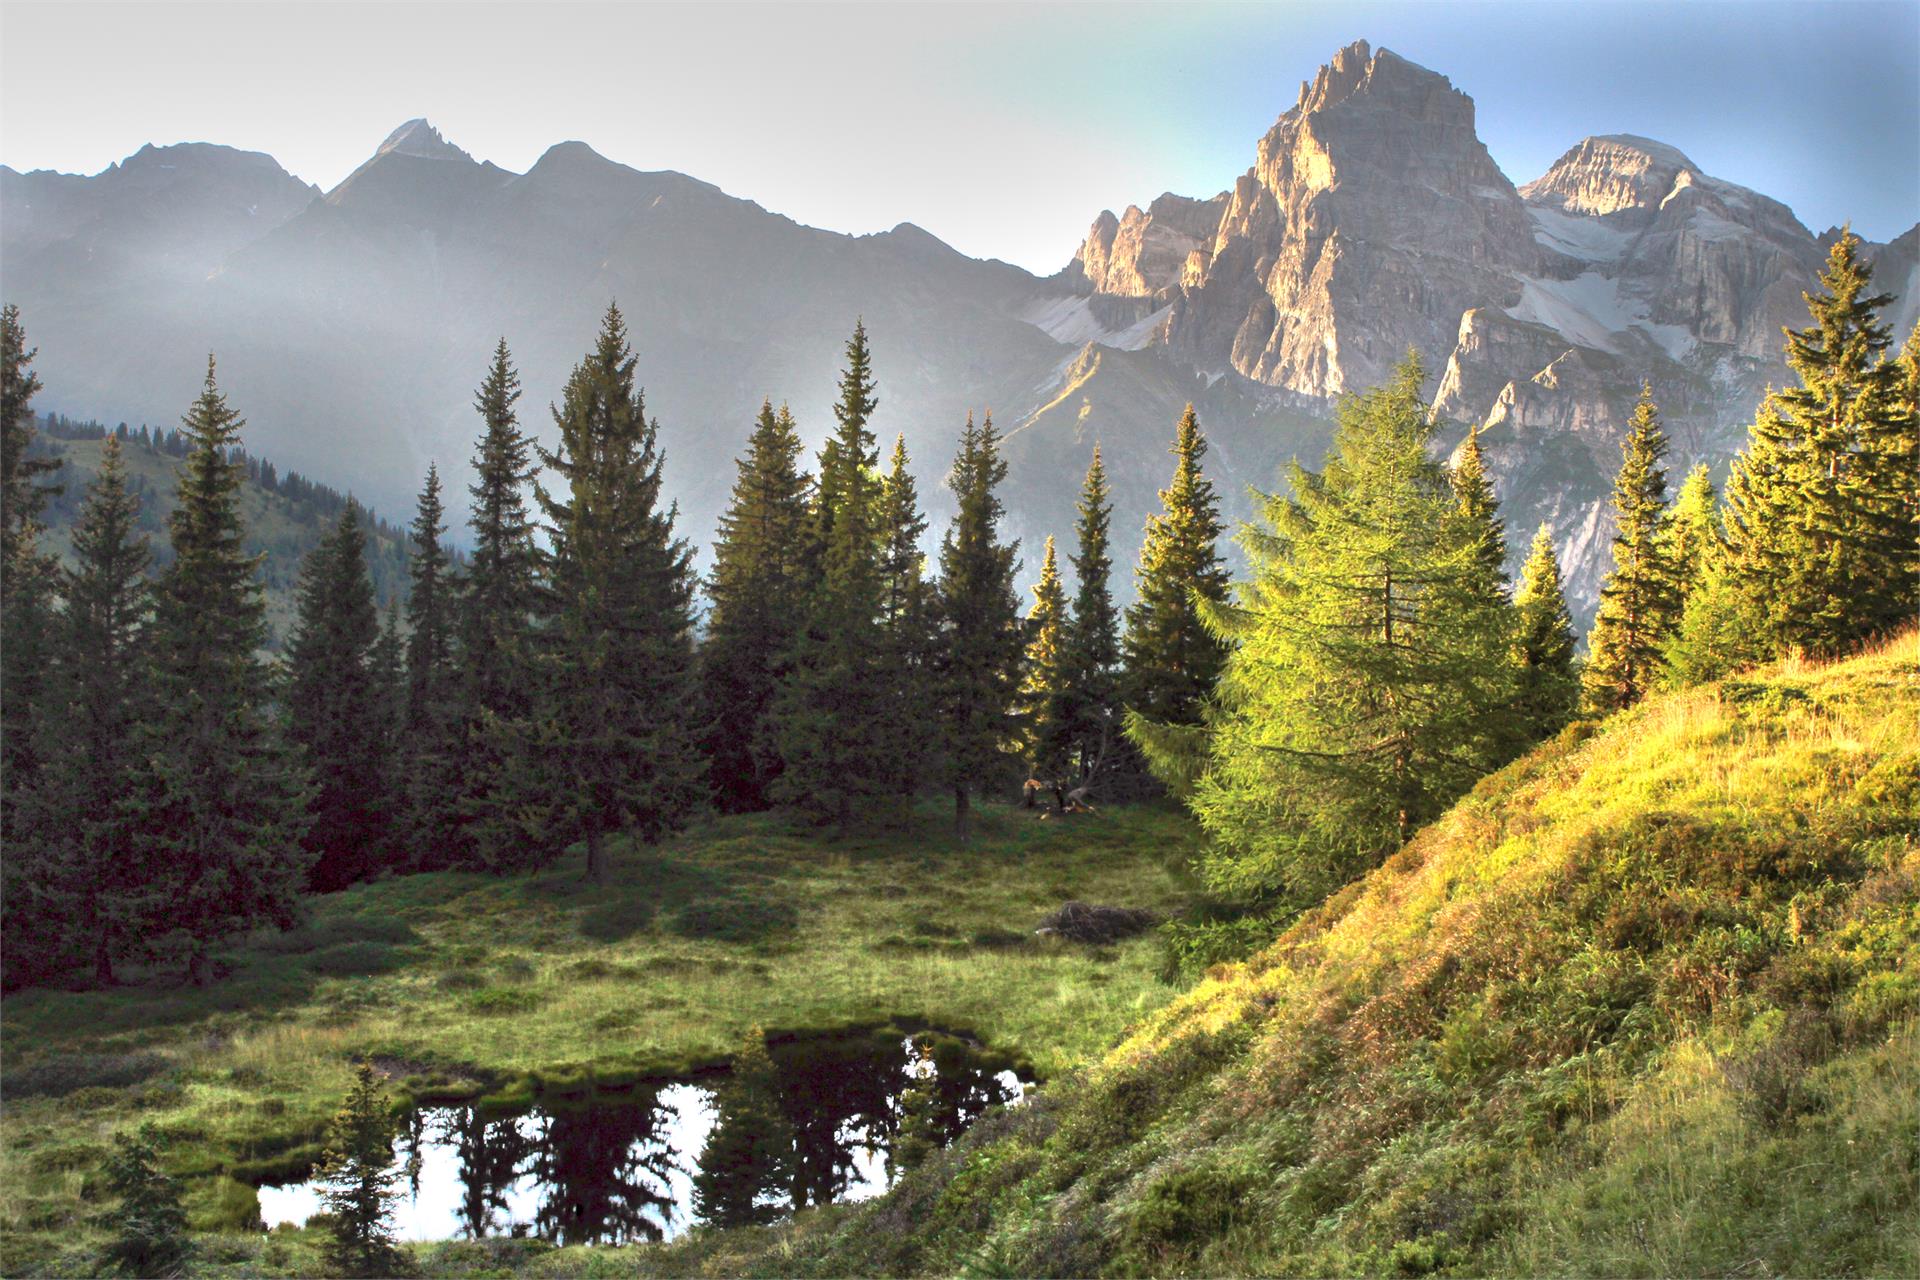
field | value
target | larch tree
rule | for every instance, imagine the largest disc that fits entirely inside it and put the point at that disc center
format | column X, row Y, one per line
column 1172, row 657
column 1640, row 600
column 1370, row 684
column 1547, row 692
column 222, row 804
column 758, row 590
column 338, row 709
column 1090, row 659
column 832, row 707
column 981, row 635
column 612, row 744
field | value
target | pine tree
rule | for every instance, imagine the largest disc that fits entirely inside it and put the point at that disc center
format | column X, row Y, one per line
column 1548, row 689
column 1821, row 517
column 100, row 692
column 222, row 804
column 1370, row 684
column 1043, row 695
column 748, row 1157
column 1090, row 660
column 759, row 590
column 613, row 739
column 359, row 1180
column 149, row 1223
column 832, row 707
column 1640, row 601
column 1172, row 659
column 1691, row 532
column 1474, row 492
column 494, row 611
column 981, row 638
column 427, row 757
column 906, row 623
column 337, row 709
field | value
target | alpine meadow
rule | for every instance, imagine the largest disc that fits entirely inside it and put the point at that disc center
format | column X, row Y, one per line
column 556, row 722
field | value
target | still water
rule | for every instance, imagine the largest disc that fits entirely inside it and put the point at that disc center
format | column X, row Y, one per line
column 813, row 1121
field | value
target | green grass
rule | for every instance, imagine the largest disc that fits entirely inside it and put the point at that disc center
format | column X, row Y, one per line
column 1647, row 1002
column 465, row 986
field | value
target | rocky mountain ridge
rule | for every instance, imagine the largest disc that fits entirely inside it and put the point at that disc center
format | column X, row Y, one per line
column 353, row 323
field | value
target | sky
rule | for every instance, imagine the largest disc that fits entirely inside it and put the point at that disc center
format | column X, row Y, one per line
column 1003, row 129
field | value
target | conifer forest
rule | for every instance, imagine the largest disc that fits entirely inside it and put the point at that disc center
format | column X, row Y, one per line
column 1291, row 793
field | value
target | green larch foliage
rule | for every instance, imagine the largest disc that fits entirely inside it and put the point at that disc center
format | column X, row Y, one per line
column 1044, row 692
column 1640, row 600
column 1371, row 682
column 1090, row 659
column 612, row 744
column 832, row 708
column 1172, row 657
column 1820, row 522
column 758, row 589
column 981, row 635
column 359, row 1182
column 1547, row 692
column 222, row 804
column 338, row 709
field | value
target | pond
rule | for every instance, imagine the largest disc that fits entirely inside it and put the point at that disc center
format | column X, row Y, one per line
column 804, row 1122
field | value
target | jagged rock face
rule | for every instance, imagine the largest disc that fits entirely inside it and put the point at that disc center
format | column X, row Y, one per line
column 1142, row 254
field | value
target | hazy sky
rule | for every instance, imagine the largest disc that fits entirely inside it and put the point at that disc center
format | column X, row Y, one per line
column 1003, row 129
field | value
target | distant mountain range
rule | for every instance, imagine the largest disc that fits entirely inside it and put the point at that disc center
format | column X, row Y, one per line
column 352, row 325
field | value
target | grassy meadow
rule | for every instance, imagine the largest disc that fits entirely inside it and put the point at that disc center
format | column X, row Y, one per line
column 467, row 986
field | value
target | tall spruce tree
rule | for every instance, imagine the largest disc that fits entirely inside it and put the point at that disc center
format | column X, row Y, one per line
column 428, row 754
column 833, row 704
column 981, row 635
column 1691, row 533
column 100, row 690
column 613, row 741
column 1044, row 691
column 29, row 583
column 1640, row 601
column 222, row 802
column 1474, row 492
column 1172, row 658
column 758, row 589
column 337, row 709
column 1090, row 657
column 907, row 622
column 495, row 609
column 1370, row 684
column 1821, row 520
column 1547, row 688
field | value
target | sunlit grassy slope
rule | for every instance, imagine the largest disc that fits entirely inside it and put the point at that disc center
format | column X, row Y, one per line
column 464, row 985
column 1643, row 1004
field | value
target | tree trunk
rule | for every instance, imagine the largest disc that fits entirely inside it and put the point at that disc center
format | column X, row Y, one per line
column 103, row 959
column 596, row 859
column 962, row 812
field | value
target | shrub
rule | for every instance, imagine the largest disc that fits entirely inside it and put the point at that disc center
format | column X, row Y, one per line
column 58, row 1076
column 737, row 920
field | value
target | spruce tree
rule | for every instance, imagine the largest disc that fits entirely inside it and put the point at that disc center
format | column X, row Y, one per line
column 1172, row 658
column 100, row 691
column 427, row 763
column 337, row 709
column 832, row 707
column 1090, row 659
column 612, row 744
column 1044, row 692
column 149, row 1223
column 1691, row 533
column 748, row 1157
column 758, row 589
column 1548, row 689
column 1821, row 519
column 1474, row 492
column 981, row 636
column 1640, row 601
column 1370, row 684
column 222, row 803
column 495, row 609
column 906, row 622
column 358, row 1181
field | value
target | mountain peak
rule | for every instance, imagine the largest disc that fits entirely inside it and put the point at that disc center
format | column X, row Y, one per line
column 418, row 138
column 1609, row 173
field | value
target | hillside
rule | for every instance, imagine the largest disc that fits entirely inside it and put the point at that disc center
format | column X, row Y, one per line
column 1644, row 1003
column 285, row 516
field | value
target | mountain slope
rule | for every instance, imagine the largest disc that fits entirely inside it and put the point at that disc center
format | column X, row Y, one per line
column 1646, row 1002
